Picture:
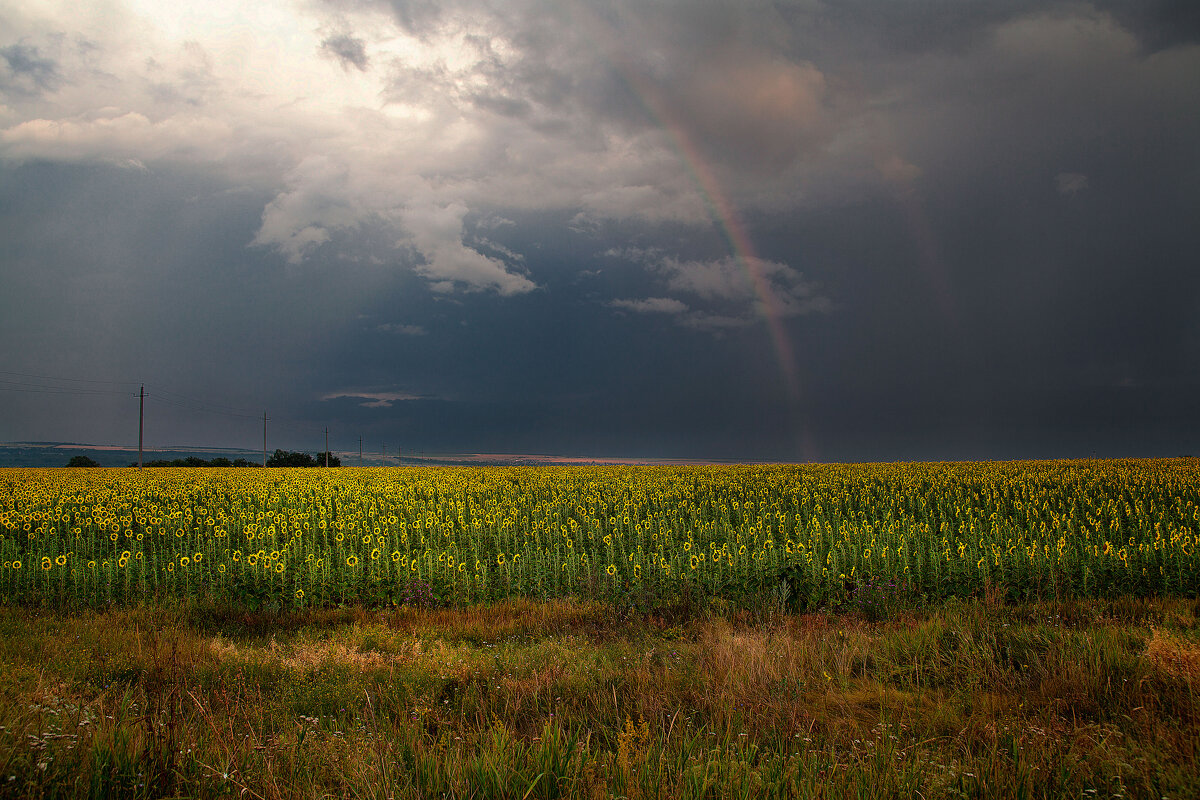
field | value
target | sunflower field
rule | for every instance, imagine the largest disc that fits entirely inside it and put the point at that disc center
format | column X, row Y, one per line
column 805, row 536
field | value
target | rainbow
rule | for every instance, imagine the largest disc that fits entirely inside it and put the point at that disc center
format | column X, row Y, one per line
column 727, row 220
column 720, row 208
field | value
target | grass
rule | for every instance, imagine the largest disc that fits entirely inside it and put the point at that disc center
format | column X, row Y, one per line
column 522, row 699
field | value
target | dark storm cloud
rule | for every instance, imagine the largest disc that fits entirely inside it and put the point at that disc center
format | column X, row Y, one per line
column 921, row 26
column 977, row 221
column 27, row 71
column 910, row 26
column 719, row 73
column 1158, row 23
column 147, row 289
column 349, row 50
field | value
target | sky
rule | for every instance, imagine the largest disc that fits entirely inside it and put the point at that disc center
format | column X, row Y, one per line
column 867, row 230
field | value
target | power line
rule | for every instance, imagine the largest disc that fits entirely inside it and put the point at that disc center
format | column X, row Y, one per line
column 67, row 380
column 303, row 427
column 37, row 384
column 223, row 406
column 197, row 406
column 39, row 388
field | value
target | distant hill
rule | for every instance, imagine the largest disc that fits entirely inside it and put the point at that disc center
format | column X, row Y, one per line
column 57, row 454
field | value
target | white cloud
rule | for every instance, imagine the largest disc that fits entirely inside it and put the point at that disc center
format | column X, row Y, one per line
column 491, row 222
column 437, row 232
column 1070, row 183
column 373, row 399
column 361, row 113
column 745, row 280
column 404, row 330
column 488, row 244
column 638, row 255
column 729, row 292
column 115, row 138
column 716, row 323
column 651, row 305
column 299, row 220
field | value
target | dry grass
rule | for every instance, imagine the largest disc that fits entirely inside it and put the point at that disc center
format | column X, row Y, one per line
column 1175, row 656
column 973, row 700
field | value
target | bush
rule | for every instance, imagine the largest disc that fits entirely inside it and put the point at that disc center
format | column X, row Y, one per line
column 82, row 461
column 288, row 458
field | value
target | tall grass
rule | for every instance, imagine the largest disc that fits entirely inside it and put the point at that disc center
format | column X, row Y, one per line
column 562, row 699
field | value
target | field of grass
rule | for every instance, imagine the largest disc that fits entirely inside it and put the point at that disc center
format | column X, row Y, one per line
column 522, row 699
column 933, row 630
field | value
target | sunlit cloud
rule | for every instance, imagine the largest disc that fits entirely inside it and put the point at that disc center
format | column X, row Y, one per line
column 651, row 305
column 372, row 399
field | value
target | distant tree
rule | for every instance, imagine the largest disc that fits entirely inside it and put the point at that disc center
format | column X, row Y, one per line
column 196, row 461
column 289, row 458
column 82, row 461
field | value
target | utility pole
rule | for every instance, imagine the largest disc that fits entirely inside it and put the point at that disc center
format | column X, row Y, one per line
column 264, row 438
column 141, row 418
column 360, row 451
column 327, row 448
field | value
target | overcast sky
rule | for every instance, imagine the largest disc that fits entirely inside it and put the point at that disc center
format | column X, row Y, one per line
column 857, row 230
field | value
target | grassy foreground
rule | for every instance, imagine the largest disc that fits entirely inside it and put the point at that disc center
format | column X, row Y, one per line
column 1091, row 698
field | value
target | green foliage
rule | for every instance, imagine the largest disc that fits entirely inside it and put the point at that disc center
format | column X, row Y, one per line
column 288, row 458
column 196, row 461
column 82, row 461
column 874, row 538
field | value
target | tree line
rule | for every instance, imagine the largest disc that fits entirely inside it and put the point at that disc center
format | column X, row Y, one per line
column 281, row 458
